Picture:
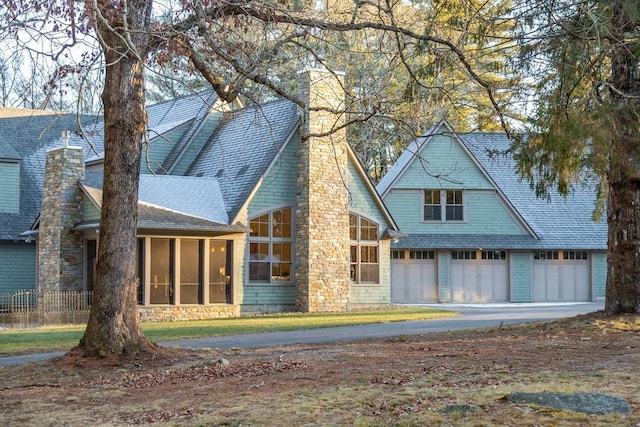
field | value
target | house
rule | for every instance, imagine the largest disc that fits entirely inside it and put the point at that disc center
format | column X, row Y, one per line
column 237, row 212
column 477, row 233
column 25, row 137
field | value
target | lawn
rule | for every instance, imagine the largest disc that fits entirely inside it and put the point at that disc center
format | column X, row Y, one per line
column 23, row 341
column 402, row 381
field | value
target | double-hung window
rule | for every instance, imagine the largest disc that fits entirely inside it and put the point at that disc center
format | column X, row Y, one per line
column 270, row 247
column 365, row 265
column 437, row 201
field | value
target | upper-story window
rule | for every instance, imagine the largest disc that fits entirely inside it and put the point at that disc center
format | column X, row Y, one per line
column 270, row 247
column 449, row 201
column 365, row 264
column 9, row 187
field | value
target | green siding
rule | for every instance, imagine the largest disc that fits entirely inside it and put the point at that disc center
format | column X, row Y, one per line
column 443, row 277
column 483, row 211
column 361, row 200
column 159, row 149
column 520, row 270
column 9, row 187
column 198, row 141
column 89, row 211
column 453, row 168
column 17, row 267
column 279, row 185
column 599, row 274
column 269, row 295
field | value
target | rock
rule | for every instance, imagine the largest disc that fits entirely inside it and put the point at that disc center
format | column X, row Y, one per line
column 586, row 403
column 460, row 408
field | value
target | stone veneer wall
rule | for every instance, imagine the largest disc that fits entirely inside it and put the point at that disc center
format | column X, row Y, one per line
column 187, row 312
column 322, row 213
column 60, row 250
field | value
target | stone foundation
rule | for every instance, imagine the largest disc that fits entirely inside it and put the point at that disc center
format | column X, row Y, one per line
column 187, row 312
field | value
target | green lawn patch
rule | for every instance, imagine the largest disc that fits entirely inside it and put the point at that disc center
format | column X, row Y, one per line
column 61, row 338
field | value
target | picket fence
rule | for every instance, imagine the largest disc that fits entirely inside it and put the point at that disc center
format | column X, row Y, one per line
column 27, row 309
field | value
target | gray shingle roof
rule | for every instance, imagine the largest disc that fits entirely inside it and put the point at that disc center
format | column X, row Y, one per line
column 174, row 203
column 29, row 138
column 242, row 148
column 558, row 222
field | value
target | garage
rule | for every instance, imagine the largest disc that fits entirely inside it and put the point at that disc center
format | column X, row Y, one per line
column 413, row 276
column 560, row 276
column 479, row 276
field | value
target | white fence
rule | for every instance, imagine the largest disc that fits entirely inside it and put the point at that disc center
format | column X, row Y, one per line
column 26, row 309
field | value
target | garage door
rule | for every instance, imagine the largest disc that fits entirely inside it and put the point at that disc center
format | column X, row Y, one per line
column 479, row 276
column 413, row 277
column 561, row 276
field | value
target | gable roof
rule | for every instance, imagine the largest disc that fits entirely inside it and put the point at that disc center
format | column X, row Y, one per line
column 27, row 139
column 243, row 146
column 554, row 223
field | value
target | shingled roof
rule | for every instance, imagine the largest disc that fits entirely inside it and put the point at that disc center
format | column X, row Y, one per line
column 170, row 202
column 243, row 146
column 556, row 222
column 27, row 139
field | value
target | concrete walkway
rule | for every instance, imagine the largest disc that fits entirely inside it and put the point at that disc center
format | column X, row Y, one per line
column 472, row 316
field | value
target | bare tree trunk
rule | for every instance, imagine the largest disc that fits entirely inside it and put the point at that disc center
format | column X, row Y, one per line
column 623, row 271
column 114, row 327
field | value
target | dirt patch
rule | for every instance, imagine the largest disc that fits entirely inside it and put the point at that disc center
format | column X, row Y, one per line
column 399, row 381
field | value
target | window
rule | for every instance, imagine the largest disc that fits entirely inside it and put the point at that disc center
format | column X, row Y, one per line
column 9, row 187
column 364, row 250
column 451, row 201
column 396, row 254
column 191, row 260
column 270, row 244
column 574, row 254
column 545, row 255
column 463, row 255
column 454, row 205
column 422, row 255
column 432, row 205
column 162, row 269
column 220, row 271
column 494, row 255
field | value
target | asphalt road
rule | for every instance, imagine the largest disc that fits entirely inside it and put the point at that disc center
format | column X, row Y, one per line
column 472, row 316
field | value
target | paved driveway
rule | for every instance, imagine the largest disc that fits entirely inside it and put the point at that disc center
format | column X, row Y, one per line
column 472, row 316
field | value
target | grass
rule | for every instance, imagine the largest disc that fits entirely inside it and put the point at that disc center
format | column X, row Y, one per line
column 62, row 338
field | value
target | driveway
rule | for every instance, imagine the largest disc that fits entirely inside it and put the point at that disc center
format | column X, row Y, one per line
column 472, row 316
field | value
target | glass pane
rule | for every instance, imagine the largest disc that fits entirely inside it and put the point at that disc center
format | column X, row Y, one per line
column 281, row 272
column 353, row 227
column 190, row 271
column 432, row 213
column 354, row 254
column 259, row 271
column 219, row 271
column 369, row 273
column 161, row 291
column 260, row 226
column 368, row 230
column 369, row 254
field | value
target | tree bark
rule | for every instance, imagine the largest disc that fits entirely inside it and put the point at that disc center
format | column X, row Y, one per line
column 623, row 214
column 114, row 328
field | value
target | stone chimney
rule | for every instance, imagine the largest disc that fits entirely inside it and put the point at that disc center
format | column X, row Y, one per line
column 60, row 250
column 322, row 214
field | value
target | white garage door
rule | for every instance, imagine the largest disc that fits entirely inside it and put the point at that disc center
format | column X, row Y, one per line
column 561, row 276
column 413, row 277
column 479, row 276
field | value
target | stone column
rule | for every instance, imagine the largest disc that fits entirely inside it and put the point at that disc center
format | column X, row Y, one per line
column 60, row 250
column 322, row 214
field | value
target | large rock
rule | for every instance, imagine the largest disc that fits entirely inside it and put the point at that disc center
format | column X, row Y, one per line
column 587, row 403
